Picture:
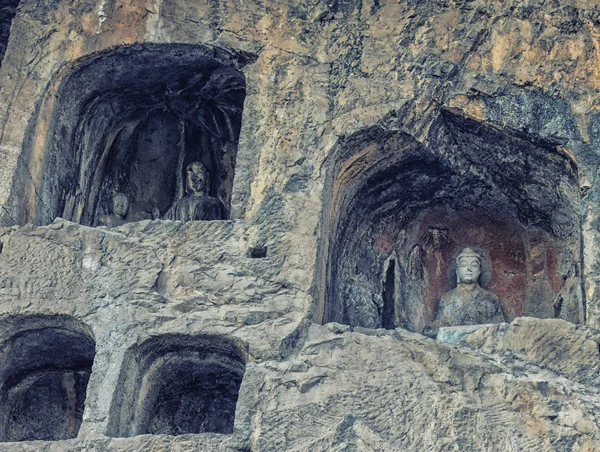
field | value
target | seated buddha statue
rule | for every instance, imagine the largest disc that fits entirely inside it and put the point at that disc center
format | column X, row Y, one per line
column 120, row 207
column 468, row 303
column 196, row 204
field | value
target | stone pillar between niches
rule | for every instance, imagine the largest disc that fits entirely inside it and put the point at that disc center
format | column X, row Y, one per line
column 101, row 387
column 590, row 236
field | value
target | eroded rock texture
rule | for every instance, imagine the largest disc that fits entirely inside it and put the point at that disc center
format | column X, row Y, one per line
column 356, row 148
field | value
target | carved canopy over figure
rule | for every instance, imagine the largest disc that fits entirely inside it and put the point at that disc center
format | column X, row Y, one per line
column 468, row 303
column 196, row 204
column 120, row 207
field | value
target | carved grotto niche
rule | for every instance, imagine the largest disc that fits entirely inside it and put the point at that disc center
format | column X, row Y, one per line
column 397, row 213
column 129, row 122
column 177, row 384
column 45, row 365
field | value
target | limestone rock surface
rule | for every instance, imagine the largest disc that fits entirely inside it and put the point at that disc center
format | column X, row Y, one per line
column 489, row 106
column 501, row 389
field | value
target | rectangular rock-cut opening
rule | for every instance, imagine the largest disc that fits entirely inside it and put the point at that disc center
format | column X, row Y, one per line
column 45, row 365
column 175, row 385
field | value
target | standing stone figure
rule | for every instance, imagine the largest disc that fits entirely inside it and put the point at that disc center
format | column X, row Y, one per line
column 120, row 206
column 196, row 204
column 468, row 303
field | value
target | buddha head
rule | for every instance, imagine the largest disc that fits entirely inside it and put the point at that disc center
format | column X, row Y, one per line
column 468, row 267
column 120, row 204
column 197, row 179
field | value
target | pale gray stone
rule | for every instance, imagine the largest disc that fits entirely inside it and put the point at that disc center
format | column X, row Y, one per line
column 455, row 334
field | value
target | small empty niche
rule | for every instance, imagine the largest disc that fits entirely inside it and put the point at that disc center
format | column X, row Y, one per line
column 178, row 384
column 45, row 365
column 258, row 252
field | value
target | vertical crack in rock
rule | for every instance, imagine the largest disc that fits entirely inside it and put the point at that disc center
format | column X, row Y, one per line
column 389, row 286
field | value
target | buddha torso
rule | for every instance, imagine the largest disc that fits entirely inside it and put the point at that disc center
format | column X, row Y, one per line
column 468, row 304
column 111, row 221
column 193, row 208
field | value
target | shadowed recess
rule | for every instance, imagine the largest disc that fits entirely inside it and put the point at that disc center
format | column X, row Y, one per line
column 8, row 11
column 389, row 198
column 45, row 365
column 130, row 120
column 177, row 384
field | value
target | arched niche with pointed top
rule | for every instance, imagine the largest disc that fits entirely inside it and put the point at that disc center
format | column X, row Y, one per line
column 397, row 212
column 45, row 365
column 129, row 120
column 176, row 384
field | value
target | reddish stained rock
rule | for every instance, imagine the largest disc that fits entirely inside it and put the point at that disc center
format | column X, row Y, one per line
column 515, row 259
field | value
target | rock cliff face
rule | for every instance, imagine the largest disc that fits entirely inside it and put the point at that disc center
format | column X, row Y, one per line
column 356, row 146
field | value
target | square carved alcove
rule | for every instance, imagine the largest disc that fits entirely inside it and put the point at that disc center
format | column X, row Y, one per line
column 397, row 213
column 45, row 365
column 177, row 384
column 129, row 122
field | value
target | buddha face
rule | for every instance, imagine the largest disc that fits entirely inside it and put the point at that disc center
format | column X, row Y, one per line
column 468, row 269
column 120, row 204
column 197, row 178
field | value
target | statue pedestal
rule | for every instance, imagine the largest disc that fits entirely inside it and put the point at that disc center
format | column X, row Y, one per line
column 454, row 334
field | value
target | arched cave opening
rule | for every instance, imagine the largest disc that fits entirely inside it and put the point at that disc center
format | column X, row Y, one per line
column 388, row 196
column 8, row 11
column 45, row 365
column 129, row 121
column 178, row 384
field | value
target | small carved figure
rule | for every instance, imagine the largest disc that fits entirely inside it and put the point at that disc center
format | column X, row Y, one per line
column 120, row 206
column 155, row 214
column 468, row 303
column 196, row 204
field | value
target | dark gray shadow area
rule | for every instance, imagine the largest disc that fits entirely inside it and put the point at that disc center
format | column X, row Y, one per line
column 129, row 120
column 8, row 11
column 176, row 384
column 45, row 365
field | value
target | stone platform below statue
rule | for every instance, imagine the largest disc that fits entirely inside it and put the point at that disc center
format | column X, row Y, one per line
column 454, row 334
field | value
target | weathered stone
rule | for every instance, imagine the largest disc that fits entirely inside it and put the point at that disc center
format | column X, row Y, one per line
column 455, row 334
column 357, row 147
